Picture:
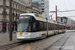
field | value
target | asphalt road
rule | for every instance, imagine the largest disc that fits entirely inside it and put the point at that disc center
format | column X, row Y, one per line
column 64, row 41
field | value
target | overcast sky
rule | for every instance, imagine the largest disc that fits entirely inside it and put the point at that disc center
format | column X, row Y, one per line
column 63, row 5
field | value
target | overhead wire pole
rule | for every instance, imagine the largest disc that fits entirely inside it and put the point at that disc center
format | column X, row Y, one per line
column 46, row 23
column 56, row 12
column 10, row 20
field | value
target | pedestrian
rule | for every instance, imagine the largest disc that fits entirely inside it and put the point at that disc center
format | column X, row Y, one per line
column 3, row 30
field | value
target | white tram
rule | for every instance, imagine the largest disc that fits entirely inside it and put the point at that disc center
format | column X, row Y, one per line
column 33, row 26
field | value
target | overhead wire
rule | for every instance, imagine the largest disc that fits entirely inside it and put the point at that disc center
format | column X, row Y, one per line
column 53, row 2
column 65, row 5
column 71, row 3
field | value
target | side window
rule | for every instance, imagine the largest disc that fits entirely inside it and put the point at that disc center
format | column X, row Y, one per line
column 41, row 26
column 59, row 26
column 34, row 27
column 49, row 26
column 37, row 26
column 45, row 26
column 56, row 27
column 52, row 26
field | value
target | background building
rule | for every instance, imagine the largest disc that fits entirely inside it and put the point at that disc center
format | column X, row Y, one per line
column 18, row 7
column 38, row 6
column 70, row 24
column 47, row 8
column 42, row 3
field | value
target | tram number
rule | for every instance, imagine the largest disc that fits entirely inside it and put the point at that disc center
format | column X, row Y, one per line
column 21, row 33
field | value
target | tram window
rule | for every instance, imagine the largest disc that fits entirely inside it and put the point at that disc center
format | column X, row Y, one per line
column 58, row 26
column 37, row 26
column 34, row 27
column 49, row 26
column 41, row 26
column 52, row 26
column 64, row 27
column 44, row 26
column 55, row 26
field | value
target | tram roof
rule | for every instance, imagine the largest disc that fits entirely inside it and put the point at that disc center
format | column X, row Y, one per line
column 41, row 19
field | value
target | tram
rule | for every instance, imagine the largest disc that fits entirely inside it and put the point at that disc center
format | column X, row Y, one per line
column 34, row 26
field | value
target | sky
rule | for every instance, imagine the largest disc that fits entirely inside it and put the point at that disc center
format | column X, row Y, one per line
column 62, row 5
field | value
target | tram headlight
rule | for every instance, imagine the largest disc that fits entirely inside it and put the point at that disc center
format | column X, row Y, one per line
column 28, row 33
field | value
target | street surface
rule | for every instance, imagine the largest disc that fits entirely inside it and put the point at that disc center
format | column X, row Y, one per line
column 64, row 41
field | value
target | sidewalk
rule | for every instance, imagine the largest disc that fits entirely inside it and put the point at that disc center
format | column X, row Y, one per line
column 4, row 38
column 70, row 30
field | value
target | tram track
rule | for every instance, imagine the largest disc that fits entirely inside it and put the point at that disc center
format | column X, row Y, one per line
column 9, row 46
column 65, row 42
column 58, row 43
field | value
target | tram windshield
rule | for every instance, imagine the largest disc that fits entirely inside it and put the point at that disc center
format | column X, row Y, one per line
column 24, row 24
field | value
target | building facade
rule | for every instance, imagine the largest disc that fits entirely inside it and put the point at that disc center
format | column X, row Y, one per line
column 42, row 3
column 18, row 7
column 47, row 9
column 70, row 24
